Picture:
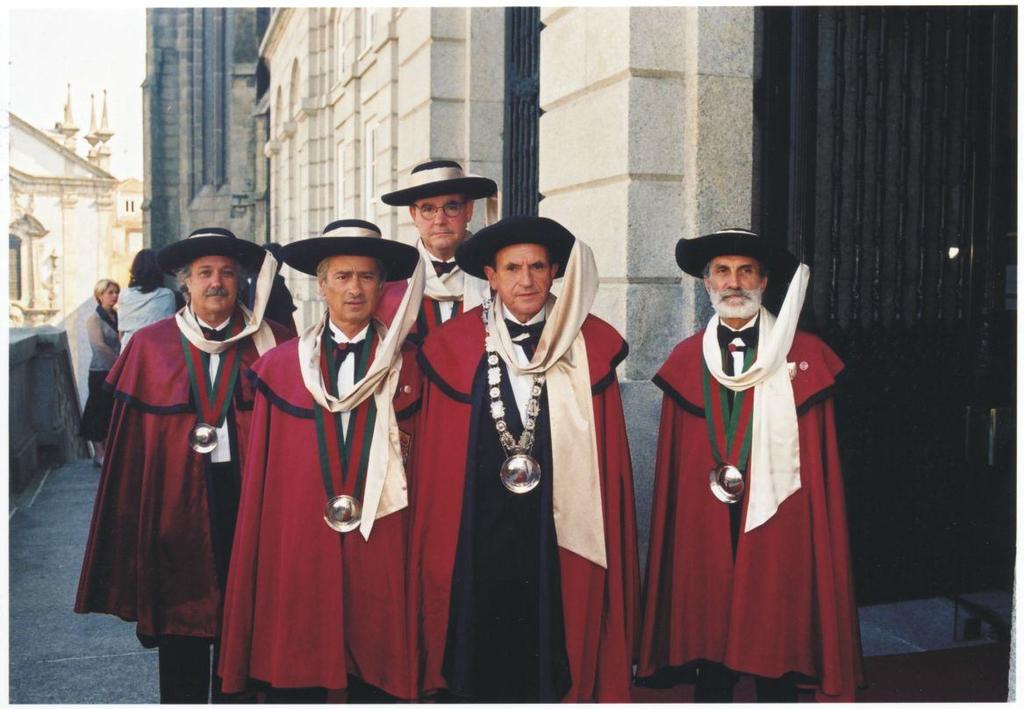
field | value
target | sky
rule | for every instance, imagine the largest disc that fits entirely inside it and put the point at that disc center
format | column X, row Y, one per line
column 93, row 50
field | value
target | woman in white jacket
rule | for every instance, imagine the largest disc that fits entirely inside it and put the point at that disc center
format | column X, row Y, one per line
column 145, row 300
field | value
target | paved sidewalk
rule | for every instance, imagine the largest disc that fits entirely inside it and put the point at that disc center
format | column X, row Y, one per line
column 58, row 656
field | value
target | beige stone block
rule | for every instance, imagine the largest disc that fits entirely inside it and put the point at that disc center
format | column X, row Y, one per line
column 724, row 41
column 413, row 27
column 449, row 22
column 656, row 125
column 724, row 152
column 610, row 305
column 447, row 130
column 486, row 47
column 656, row 216
column 659, row 37
column 485, row 126
column 654, row 321
column 448, row 70
column 414, row 79
column 413, row 139
column 585, row 139
column 597, row 214
column 588, row 46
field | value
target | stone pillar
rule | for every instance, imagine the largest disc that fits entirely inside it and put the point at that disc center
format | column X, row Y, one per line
column 646, row 137
column 451, row 93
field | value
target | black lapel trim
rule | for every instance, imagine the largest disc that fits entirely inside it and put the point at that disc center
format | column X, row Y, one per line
column 409, row 410
column 815, row 399
column 441, row 383
column 685, row 405
column 607, row 379
column 152, row 409
column 296, row 411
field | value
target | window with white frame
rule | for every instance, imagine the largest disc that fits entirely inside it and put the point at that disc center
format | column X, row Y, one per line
column 370, row 171
column 367, row 28
column 341, row 51
column 339, row 178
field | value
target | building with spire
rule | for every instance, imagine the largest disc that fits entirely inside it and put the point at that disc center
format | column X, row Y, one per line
column 72, row 222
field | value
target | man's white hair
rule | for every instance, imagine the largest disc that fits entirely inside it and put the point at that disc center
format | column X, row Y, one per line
column 183, row 273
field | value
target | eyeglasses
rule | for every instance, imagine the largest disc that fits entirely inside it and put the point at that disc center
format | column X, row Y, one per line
column 429, row 211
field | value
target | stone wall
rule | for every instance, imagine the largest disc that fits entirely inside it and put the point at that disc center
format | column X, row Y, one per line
column 646, row 137
column 43, row 408
column 176, row 201
column 358, row 97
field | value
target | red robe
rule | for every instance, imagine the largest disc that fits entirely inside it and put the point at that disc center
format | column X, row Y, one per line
column 786, row 604
column 150, row 556
column 599, row 605
column 427, row 320
column 305, row 605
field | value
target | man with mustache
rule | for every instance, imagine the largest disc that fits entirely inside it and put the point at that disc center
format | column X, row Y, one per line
column 440, row 197
column 317, row 586
column 748, row 566
column 160, row 542
column 523, row 567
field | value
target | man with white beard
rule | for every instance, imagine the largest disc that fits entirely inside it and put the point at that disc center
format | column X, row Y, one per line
column 748, row 566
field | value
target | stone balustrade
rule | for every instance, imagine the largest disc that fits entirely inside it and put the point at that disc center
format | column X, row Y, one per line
column 42, row 404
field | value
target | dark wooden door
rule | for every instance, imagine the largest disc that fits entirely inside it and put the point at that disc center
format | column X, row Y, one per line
column 886, row 160
column 520, row 194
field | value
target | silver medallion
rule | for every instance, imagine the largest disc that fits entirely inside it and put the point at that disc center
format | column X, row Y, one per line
column 202, row 438
column 520, row 473
column 342, row 513
column 727, row 483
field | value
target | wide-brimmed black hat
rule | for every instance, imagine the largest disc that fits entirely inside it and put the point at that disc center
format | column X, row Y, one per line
column 210, row 241
column 352, row 237
column 479, row 249
column 693, row 255
column 437, row 177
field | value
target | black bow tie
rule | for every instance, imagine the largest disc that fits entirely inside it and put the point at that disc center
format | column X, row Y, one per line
column 343, row 350
column 443, row 267
column 210, row 334
column 526, row 336
column 726, row 336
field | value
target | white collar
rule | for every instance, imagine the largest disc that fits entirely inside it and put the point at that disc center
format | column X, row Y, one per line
column 746, row 326
column 539, row 317
column 203, row 323
column 428, row 254
column 338, row 336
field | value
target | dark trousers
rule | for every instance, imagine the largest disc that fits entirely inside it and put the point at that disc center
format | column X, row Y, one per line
column 185, row 676
column 715, row 683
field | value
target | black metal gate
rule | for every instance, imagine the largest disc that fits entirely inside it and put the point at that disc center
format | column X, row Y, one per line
column 520, row 194
column 887, row 160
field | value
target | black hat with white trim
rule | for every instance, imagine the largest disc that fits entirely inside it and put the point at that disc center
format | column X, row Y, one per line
column 693, row 255
column 439, row 177
column 210, row 241
column 479, row 249
column 352, row 237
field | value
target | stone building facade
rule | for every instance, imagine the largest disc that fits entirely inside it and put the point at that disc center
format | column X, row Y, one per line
column 855, row 145
column 200, row 144
column 645, row 136
column 71, row 223
column 359, row 96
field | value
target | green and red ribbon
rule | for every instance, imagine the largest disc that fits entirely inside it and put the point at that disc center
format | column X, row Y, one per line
column 352, row 450
column 213, row 399
column 430, row 316
column 728, row 425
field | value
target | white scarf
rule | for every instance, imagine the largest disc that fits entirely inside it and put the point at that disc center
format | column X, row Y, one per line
column 562, row 355
column 454, row 285
column 385, row 491
column 262, row 335
column 775, row 447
